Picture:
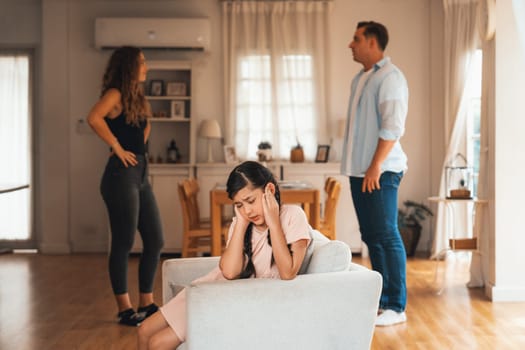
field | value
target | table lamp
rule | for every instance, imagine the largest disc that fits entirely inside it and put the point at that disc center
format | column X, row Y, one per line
column 210, row 129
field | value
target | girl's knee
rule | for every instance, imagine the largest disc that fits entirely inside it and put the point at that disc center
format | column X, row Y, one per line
column 157, row 341
column 145, row 332
column 164, row 339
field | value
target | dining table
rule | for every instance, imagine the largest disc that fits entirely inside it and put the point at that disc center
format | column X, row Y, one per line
column 292, row 192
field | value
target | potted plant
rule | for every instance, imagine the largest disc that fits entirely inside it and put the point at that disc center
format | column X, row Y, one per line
column 264, row 151
column 409, row 220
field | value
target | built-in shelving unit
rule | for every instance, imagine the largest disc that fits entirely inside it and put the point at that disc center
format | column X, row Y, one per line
column 169, row 92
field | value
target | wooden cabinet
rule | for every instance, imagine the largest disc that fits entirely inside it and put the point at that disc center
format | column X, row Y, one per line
column 169, row 89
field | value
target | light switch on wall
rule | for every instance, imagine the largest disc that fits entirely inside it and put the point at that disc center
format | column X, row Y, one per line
column 83, row 127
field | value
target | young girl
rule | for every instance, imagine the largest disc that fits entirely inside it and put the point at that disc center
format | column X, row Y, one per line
column 120, row 119
column 265, row 240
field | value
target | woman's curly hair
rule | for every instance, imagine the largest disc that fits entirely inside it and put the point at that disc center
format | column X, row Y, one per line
column 122, row 74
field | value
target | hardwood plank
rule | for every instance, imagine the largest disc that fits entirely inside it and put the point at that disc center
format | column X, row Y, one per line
column 65, row 302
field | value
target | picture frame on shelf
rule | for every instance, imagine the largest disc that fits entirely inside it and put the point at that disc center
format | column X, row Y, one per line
column 156, row 87
column 230, row 155
column 176, row 88
column 322, row 153
column 177, row 109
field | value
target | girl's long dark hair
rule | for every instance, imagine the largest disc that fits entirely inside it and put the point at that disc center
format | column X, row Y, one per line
column 122, row 74
column 256, row 175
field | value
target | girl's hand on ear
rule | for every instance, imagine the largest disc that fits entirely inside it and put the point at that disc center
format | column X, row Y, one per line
column 242, row 221
column 270, row 207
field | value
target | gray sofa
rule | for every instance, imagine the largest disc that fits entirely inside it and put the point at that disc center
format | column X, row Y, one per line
column 331, row 305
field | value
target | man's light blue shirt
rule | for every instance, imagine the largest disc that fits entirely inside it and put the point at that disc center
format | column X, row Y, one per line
column 380, row 113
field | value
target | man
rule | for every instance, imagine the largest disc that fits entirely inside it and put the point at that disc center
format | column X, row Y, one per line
column 375, row 162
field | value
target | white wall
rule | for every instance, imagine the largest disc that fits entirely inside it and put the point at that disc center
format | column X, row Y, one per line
column 506, row 280
column 71, row 211
column 52, row 207
column 20, row 23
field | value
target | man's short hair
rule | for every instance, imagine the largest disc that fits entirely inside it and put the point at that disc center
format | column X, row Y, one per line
column 376, row 30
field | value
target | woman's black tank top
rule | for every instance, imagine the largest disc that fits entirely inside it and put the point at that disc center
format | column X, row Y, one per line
column 130, row 137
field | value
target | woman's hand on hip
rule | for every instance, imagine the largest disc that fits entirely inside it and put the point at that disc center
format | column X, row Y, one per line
column 126, row 157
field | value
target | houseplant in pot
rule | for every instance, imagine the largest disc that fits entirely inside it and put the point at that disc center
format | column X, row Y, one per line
column 409, row 220
column 264, row 151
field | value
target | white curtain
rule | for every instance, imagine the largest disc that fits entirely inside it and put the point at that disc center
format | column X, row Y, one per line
column 461, row 40
column 275, row 74
column 480, row 262
column 14, row 146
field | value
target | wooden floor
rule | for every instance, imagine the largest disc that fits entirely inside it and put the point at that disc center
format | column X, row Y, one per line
column 65, row 302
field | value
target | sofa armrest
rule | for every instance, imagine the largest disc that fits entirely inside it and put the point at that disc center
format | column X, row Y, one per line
column 334, row 310
column 178, row 273
column 357, row 267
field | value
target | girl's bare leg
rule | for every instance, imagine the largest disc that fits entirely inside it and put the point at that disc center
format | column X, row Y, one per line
column 166, row 339
column 155, row 334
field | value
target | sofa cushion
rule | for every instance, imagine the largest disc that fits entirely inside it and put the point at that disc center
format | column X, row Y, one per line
column 317, row 240
column 175, row 288
column 333, row 256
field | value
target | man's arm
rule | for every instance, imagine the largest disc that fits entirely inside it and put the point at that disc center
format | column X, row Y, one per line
column 371, row 180
column 393, row 111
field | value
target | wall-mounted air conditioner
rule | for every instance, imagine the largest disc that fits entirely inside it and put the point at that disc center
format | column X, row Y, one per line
column 153, row 33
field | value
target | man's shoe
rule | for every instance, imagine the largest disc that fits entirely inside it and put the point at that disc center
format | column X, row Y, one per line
column 390, row 317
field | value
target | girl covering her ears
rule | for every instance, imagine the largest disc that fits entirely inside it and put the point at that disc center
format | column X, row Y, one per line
column 265, row 240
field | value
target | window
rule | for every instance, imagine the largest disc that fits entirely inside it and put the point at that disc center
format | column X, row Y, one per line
column 15, row 207
column 275, row 103
column 473, row 104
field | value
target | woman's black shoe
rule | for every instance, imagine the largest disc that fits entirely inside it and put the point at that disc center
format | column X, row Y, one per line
column 147, row 311
column 130, row 318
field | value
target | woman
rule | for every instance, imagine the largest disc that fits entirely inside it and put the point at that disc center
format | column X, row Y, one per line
column 265, row 241
column 120, row 119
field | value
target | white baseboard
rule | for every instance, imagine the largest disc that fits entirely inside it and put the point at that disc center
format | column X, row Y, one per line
column 54, row 248
column 95, row 247
column 505, row 294
column 104, row 248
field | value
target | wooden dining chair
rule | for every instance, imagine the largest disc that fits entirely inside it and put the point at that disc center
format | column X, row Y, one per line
column 332, row 191
column 197, row 233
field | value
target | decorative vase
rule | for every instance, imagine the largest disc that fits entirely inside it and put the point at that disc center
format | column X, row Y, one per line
column 264, row 155
column 264, row 152
column 297, row 154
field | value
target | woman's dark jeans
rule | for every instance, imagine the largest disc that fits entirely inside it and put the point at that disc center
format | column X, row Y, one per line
column 131, row 205
column 377, row 216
